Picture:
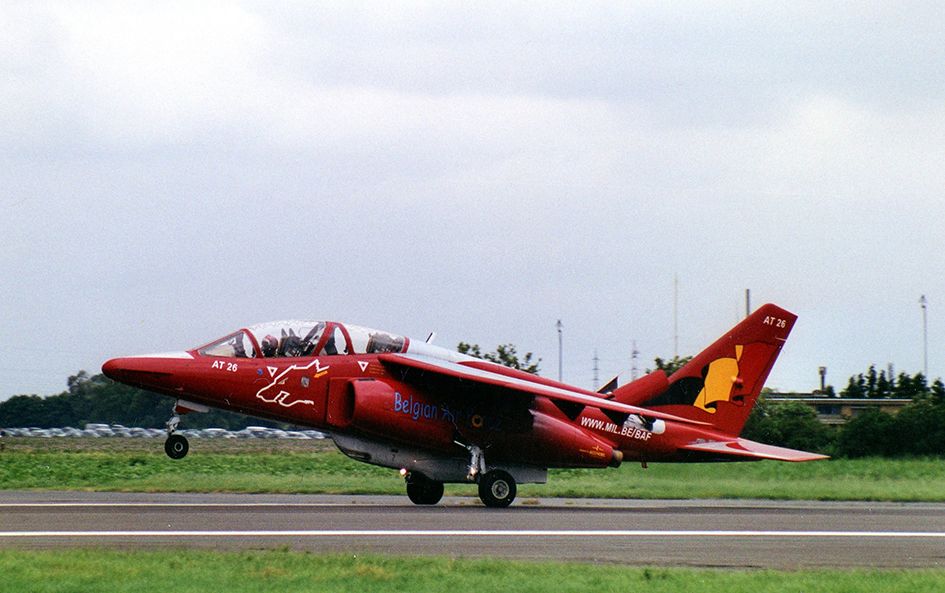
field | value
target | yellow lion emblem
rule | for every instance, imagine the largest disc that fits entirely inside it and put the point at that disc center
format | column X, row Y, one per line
column 722, row 376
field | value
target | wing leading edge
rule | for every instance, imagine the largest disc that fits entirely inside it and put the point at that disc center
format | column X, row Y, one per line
column 521, row 386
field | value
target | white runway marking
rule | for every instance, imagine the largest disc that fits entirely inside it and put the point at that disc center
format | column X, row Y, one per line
column 488, row 534
column 169, row 504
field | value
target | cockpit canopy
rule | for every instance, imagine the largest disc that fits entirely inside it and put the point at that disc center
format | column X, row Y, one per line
column 294, row 339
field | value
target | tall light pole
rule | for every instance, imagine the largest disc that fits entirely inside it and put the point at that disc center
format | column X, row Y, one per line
column 675, row 316
column 560, row 326
column 923, row 302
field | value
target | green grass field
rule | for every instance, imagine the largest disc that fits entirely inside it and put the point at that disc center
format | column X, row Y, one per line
column 200, row 571
column 317, row 467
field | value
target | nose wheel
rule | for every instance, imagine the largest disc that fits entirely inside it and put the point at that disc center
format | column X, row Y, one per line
column 176, row 445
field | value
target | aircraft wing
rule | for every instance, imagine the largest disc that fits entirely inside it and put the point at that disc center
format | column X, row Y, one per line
column 744, row 448
column 462, row 373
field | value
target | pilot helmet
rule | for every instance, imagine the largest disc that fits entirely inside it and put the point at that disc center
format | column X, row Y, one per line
column 270, row 344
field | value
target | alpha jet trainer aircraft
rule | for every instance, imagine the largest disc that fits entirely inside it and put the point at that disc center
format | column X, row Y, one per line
column 440, row 416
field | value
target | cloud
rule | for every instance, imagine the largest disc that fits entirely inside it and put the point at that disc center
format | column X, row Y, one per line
column 494, row 166
column 126, row 75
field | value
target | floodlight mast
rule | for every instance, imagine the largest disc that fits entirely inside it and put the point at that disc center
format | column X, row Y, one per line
column 560, row 326
column 923, row 302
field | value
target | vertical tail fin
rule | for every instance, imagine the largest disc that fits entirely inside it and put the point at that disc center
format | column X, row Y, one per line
column 721, row 384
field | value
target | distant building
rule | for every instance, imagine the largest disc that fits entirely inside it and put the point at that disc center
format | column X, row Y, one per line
column 837, row 410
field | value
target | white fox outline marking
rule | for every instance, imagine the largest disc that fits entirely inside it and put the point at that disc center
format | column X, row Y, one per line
column 281, row 397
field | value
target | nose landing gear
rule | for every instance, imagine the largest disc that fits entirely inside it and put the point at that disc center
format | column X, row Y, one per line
column 176, row 445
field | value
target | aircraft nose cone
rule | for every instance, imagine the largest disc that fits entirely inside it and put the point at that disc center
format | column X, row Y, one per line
column 112, row 369
column 124, row 370
column 153, row 371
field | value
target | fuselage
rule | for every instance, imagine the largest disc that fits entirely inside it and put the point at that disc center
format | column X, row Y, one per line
column 329, row 376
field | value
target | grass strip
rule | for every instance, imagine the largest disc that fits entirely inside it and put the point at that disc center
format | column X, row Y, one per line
column 170, row 571
column 132, row 465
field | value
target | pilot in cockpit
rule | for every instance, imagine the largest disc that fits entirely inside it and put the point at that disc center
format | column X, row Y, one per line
column 270, row 346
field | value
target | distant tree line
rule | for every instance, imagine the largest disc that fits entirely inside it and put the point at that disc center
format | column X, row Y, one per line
column 878, row 385
column 504, row 354
column 918, row 429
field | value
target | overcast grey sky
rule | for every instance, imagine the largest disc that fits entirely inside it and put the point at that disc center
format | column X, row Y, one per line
column 171, row 171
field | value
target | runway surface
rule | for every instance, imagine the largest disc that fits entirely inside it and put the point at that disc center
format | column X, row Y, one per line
column 703, row 533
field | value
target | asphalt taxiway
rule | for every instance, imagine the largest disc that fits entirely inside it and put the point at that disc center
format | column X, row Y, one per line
column 703, row 533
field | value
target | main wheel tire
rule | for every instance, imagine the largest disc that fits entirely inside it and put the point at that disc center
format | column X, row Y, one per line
column 497, row 489
column 423, row 490
column 176, row 446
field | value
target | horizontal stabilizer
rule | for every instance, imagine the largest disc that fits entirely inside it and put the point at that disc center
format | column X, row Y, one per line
column 743, row 448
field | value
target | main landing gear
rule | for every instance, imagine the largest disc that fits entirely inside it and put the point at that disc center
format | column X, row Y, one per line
column 496, row 487
column 423, row 490
column 176, row 445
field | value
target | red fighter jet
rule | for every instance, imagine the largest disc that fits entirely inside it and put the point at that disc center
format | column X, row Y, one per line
column 440, row 416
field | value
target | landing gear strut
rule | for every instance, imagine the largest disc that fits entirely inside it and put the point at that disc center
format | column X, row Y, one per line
column 477, row 463
column 176, row 445
column 423, row 490
column 496, row 487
